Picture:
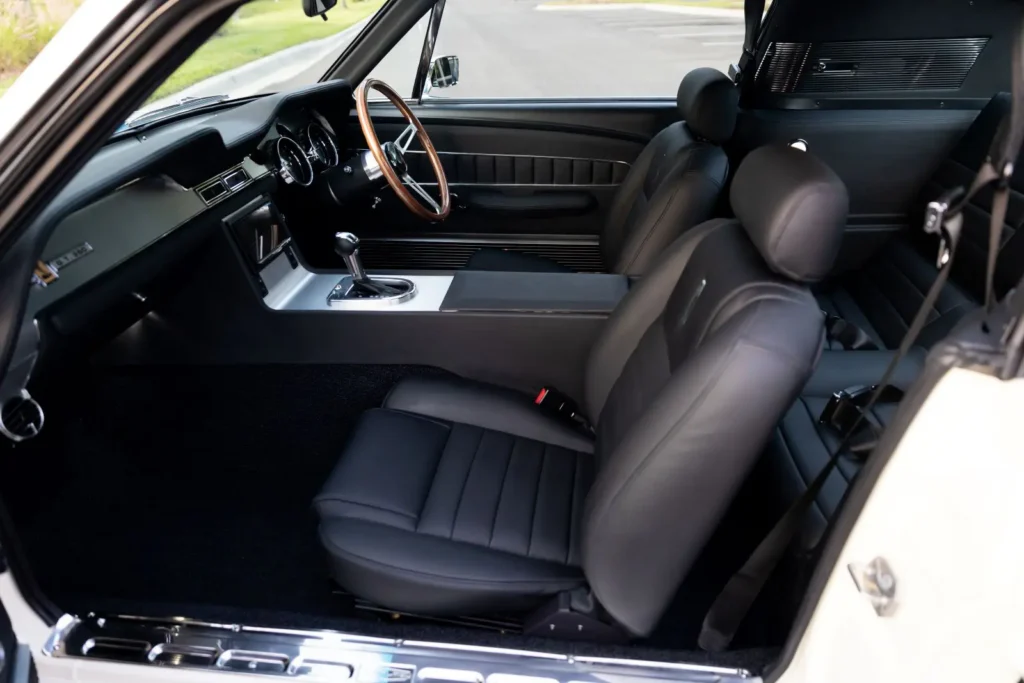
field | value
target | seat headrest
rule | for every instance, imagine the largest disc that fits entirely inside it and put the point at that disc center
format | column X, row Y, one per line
column 708, row 102
column 794, row 209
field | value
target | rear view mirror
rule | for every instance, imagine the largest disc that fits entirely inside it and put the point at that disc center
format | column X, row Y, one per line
column 317, row 8
column 444, row 72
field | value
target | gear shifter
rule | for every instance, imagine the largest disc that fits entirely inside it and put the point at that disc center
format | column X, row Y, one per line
column 347, row 247
column 359, row 285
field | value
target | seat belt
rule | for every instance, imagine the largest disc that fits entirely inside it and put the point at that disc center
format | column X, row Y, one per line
column 943, row 217
column 753, row 10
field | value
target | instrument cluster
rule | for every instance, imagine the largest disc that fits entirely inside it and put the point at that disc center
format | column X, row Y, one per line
column 299, row 157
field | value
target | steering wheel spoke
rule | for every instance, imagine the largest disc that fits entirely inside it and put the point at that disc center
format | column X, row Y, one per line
column 390, row 156
column 406, row 138
column 418, row 189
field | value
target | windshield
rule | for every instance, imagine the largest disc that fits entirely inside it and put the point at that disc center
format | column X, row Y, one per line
column 266, row 46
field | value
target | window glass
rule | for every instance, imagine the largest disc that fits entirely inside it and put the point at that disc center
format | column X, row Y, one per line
column 398, row 68
column 266, row 46
column 585, row 48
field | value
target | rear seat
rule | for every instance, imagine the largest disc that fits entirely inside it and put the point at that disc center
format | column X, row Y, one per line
column 882, row 298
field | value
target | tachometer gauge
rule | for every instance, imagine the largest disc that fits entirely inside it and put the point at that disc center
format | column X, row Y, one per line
column 292, row 164
column 321, row 145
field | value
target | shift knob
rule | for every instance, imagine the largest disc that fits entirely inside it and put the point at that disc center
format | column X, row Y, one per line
column 345, row 243
column 347, row 246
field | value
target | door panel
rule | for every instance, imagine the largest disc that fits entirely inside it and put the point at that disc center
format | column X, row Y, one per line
column 534, row 176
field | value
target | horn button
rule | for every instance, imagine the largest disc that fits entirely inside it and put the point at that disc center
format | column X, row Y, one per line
column 395, row 158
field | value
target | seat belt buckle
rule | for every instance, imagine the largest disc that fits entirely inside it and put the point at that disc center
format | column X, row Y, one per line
column 559, row 405
column 936, row 222
column 843, row 409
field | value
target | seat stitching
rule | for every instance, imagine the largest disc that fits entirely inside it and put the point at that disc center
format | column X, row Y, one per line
column 501, row 490
column 433, row 479
column 654, row 225
column 913, row 285
column 536, row 497
column 805, row 478
column 885, row 299
column 338, row 499
column 572, row 508
column 462, row 491
column 544, row 582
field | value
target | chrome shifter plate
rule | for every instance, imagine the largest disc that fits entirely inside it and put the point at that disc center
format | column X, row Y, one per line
column 340, row 297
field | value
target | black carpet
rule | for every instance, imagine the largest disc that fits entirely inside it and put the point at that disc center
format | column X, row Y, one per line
column 188, row 484
column 187, row 490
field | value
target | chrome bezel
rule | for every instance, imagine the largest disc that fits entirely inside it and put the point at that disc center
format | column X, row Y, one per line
column 333, row 146
column 286, row 174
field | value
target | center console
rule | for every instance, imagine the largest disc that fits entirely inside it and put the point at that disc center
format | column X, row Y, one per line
column 517, row 329
column 288, row 286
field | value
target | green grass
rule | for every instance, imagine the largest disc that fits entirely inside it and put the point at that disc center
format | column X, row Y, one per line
column 727, row 4
column 26, row 26
column 260, row 28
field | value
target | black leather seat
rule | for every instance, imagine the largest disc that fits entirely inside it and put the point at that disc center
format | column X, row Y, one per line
column 882, row 297
column 672, row 186
column 460, row 497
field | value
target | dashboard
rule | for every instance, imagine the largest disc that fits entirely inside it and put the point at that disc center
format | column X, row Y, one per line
column 189, row 176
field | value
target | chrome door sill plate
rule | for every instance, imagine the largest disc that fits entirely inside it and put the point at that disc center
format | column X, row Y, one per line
column 330, row 655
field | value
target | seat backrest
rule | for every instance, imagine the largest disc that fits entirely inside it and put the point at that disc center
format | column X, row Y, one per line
column 958, row 170
column 675, row 182
column 693, row 370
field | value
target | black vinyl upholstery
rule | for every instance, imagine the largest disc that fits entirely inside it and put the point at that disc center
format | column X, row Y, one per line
column 436, row 516
column 882, row 298
column 462, row 497
column 672, row 186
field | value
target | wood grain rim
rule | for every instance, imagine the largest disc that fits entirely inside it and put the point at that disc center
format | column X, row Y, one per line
column 366, row 124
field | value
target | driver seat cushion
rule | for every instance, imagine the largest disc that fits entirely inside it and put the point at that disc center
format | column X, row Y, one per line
column 447, row 517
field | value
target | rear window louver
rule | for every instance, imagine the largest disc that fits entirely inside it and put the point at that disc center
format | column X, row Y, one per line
column 867, row 65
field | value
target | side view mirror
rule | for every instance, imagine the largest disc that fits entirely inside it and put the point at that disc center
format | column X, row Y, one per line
column 444, row 72
column 317, row 8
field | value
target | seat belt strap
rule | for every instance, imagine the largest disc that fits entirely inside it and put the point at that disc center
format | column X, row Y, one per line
column 753, row 10
column 734, row 602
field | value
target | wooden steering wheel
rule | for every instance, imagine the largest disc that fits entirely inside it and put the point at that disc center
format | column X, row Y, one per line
column 390, row 156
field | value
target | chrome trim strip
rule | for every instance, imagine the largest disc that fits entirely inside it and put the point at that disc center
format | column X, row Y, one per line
column 523, row 156
column 318, row 655
column 486, row 650
column 526, row 185
column 490, row 239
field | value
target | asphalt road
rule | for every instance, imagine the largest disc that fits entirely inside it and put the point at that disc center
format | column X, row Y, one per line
column 512, row 48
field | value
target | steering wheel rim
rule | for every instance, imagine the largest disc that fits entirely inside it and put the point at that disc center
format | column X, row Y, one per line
column 401, row 183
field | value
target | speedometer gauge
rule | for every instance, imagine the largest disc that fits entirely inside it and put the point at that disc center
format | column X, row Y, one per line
column 292, row 163
column 321, row 145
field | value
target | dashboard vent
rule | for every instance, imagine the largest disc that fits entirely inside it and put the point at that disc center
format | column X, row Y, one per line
column 215, row 189
column 442, row 254
column 867, row 65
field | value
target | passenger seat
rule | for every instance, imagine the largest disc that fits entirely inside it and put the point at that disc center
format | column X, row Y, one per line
column 673, row 185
